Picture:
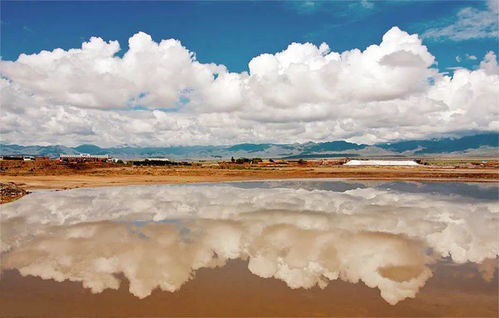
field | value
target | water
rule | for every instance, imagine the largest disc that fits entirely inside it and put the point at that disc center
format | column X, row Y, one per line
column 313, row 236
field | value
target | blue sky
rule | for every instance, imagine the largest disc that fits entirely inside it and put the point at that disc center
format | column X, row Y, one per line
column 162, row 73
column 231, row 33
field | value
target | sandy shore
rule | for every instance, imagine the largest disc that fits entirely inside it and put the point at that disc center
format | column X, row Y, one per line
column 161, row 175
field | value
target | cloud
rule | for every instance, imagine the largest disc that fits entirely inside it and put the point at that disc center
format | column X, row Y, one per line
column 150, row 74
column 489, row 64
column 471, row 57
column 367, row 4
column 305, row 237
column 27, row 29
column 305, row 7
column 471, row 23
column 157, row 93
column 466, row 57
column 493, row 5
column 333, row 8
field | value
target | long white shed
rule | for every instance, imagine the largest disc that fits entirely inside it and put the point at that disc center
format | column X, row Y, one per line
column 381, row 163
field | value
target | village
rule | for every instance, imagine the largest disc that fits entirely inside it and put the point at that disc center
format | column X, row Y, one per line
column 89, row 159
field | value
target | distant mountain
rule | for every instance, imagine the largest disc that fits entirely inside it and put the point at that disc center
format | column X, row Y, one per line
column 51, row 151
column 480, row 144
column 332, row 146
column 444, row 145
column 249, row 147
column 92, row 149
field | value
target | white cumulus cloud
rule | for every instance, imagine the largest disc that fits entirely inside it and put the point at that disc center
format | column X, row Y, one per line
column 157, row 93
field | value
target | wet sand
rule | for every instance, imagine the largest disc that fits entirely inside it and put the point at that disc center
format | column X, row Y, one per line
column 453, row 291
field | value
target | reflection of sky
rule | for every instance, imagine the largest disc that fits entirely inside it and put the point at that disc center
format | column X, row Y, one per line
column 468, row 190
column 335, row 186
column 305, row 233
column 457, row 190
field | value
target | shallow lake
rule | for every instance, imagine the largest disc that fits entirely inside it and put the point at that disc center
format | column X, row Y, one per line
column 300, row 247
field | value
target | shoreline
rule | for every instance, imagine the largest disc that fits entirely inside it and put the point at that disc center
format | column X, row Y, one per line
column 123, row 177
column 41, row 182
column 54, row 176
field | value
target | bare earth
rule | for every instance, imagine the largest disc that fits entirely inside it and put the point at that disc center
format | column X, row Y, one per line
column 58, row 176
column 10, row 192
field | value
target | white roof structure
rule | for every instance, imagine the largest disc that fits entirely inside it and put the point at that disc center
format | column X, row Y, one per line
column 381, row 163
column 158, row 159
column 83, row 155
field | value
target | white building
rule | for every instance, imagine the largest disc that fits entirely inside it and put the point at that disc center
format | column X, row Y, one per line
column 381, row 163
column 84, row 157
column 157, row 159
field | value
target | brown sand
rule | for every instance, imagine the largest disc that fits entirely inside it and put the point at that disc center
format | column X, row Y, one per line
column 10, row 192
column 126, row 175
column 453, row 291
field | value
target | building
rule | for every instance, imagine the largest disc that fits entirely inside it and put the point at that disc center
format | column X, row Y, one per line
column 157, row 159
column 381, row 163
column 84, row 157
column 18, row 157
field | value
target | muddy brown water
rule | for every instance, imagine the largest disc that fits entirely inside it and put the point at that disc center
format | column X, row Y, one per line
column 275, row 248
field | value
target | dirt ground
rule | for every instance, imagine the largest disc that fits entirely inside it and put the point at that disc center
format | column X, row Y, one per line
column 56, row 175
column 10, row 192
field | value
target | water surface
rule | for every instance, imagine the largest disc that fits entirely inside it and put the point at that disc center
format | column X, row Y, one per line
column 303, row 247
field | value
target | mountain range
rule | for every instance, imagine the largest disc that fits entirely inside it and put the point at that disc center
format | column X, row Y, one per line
column 484, row 144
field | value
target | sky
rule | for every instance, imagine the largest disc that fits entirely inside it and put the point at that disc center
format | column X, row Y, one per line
column 224, row 72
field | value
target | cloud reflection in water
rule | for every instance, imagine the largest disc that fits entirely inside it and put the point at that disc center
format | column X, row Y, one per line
column 158, row 236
